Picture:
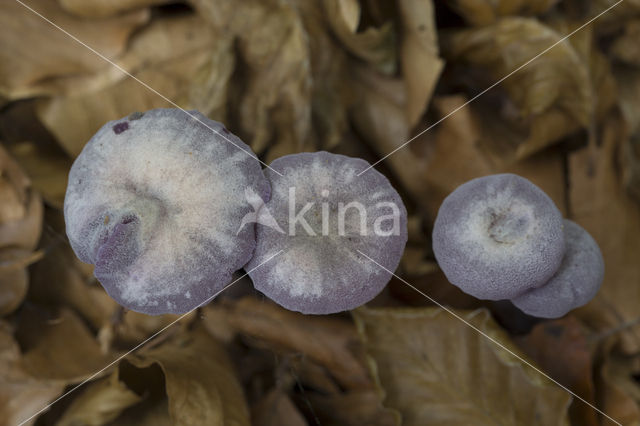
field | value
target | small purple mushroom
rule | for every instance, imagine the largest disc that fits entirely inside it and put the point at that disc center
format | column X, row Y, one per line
column 323, row 216
column 574, row 284
column 155, row 201
column 498, row 236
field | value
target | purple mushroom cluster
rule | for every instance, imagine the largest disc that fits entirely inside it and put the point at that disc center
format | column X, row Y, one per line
column 168, row 205
column 501, row 237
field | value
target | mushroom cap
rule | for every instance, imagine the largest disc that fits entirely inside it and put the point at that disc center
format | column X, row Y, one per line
column 497, row 236
column 155, row 201
column 574, row 284
column 321, row 271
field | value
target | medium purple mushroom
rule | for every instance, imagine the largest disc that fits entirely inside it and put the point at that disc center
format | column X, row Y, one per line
column 498, row 236
column 155, row 201
column 323, row 216
column 574, row 284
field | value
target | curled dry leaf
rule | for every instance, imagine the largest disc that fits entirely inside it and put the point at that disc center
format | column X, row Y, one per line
column 598, row 201
column 621, row 392
column 104, row 8
column 436, row 370
column 273, row 99
column 38, row 61
column 353, row 409
column 373, row 45
column 20, row 394
column 179, row 57
column 421, row 65
column 330, row 342
column 550, row 93
column 100, row 402
column 561, row 348
column 276, row 409
column 58, row 346
column 200, row 380
column 625, row 47
column 486, row 12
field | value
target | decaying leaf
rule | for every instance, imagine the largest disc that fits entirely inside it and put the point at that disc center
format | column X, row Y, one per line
column 621, row 396
column 58, row 346
column 103, row 8
column 328, row 341
column 179, row 57
column 276, row 409
column 561, row 348
column 485, row 12
column 353, row 409
column 38, row 60
column 200, row 381
column 374, row 45
column 421, row 65
column 20, row 394
column 273, row 99
column 550, row 93
column 100, row 402
column 600, row 204
column 436, row 370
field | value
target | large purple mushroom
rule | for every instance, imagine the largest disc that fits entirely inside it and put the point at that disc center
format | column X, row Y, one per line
column 497, row 236
column 155, row 201
column 574, row 284
column 327, row 221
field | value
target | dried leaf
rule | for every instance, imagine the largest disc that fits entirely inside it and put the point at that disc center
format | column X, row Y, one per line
column 625, row 47
column 37, row 61
column 373, row 45
column 621, row 393
column 353, row 409
column 100, row 402
column 486, row 12
column 600, row 203
column 421, row 65
column 200, row 381
column 58, row 347
column 273, row 100
column 276, row 409
column 550, row 93
column 328, row 341
column 435, row 370
column 561, row 348
column 20, row 395
column 191, row 67
column 104, row 8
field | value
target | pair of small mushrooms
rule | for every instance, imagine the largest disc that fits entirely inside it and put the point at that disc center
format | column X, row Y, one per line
column 168, row 205
column 501, row 237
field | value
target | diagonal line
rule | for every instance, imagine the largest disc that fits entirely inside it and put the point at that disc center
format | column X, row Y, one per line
column 139, row 345
column 590, row 21
column 76, row 39
column 493, row 340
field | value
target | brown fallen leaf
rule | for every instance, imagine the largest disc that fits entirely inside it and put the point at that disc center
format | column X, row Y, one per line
column 272, row 101
column 38, row 61
column 104, row 8
column 58, row 345
column 373, row 45
column 553, row 94
column 188, row 66
column 200, row 380
column 100, row 402
column 352, row 409
column 620, row 393
column 421, row 65
column 330, row 342
column 486, row 12
column 625, row 47
column 600, row 203
column 561, row 348
column 146, row 413
column 436, row 370
column 276, row 409
column 20, row 394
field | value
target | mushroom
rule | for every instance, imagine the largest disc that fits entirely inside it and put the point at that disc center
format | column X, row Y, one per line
column 574, row 284
column 497, row 236
column 327, row 217
column 155, row 200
